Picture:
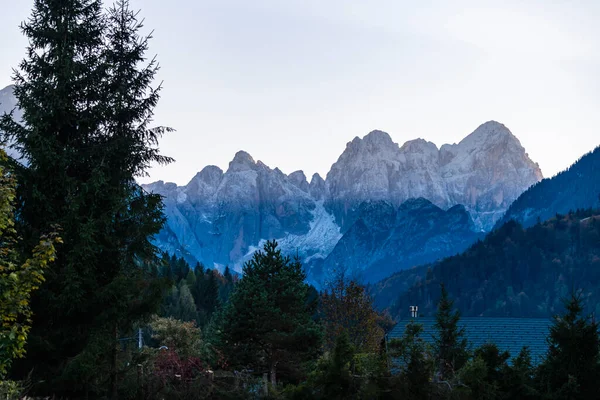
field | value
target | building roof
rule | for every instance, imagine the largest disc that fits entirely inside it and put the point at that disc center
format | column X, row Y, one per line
column 510, row 334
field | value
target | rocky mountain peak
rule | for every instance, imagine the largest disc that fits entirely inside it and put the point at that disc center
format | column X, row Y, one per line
column 419, row 146
column 375, row 143
column 298, row 179
column 205, row 182
column 242, row 161
column 378, row 138
column 318, row 187
column 486, row 171
column 489, row 133
column 209, row 174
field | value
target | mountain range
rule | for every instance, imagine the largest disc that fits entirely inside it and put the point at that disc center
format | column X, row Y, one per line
column 221, row 217
column 381, row 208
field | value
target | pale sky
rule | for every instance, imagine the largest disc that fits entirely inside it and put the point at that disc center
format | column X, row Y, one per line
column 292, row 81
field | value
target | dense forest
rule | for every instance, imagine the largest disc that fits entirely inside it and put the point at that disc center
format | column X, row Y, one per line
column 517, row 272
column 577, row 187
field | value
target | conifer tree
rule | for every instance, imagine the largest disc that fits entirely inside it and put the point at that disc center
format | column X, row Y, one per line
column 333, row 378
column 571, row 368
column 190, row 279
column 210, row 293
column 267, row 323
column 415, row 368
column 87, row 106
column 226, row 286
column 450, row 346
column 519, row 378
column 186, row 308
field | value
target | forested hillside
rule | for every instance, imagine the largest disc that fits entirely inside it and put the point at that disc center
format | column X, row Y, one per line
column 516, row 271
column 576, row 187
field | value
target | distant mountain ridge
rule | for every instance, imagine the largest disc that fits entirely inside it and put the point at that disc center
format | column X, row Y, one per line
column 576, row 187
column 221, row 217
column 485, row 172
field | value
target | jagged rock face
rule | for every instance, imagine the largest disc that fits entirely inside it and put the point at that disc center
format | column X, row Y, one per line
column 485, row 172
column 218, row 217
column 8, row 102
column 318, row 187
column 384, row 240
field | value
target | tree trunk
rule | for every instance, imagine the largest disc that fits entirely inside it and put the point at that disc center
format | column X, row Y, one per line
column 274, row 373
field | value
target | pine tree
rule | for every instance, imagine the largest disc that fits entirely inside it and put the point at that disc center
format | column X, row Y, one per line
column 414, row 365
column 450, row 347
column 186, row 308
column 227, row 286
column 190, row 279
column 266, row 323
column 333, row 378
column 87, row 108
column 210, row 294
column 519, row 378
column 570, row 369
column 170, row 302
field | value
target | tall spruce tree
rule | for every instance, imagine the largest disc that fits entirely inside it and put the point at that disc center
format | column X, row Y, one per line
column 450, row 345
column 571, row 368
column 87, row 107
column 267, row 324
column 210, row 294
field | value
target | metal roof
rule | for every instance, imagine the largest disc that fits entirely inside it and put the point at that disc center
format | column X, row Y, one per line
column 510, row 334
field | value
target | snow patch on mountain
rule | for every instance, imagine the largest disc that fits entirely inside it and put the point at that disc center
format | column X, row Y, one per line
column 321, row 238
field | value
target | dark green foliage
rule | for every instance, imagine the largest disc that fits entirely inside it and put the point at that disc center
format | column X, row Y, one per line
column 495, row 361
column 186, row 308
column 226, row 288
column 209, row 293
column 570, row 370
column 578, row 187
column 410, row 357
column 87, row 106
column 195, row 296
column 519, row 378
column 472, row 382
column 450, row 348
column 334, row 379
column 518, row 272
column 190, row 279
column 267, row 325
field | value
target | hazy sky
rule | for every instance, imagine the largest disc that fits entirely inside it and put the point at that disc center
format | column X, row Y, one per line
column 292, row 81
